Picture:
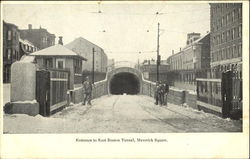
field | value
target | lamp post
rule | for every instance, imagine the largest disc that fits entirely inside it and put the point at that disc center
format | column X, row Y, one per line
column 93, row 66
column 158, row 56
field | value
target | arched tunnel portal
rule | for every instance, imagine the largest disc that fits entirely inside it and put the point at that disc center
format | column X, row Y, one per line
column 125, row 80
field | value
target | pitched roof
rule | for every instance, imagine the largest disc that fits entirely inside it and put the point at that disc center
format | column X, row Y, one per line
column 78, row 42
column 57, row 50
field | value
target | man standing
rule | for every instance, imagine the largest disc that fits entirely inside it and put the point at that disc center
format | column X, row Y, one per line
column 166, row 93
column 161, row 93
column 156, row 93
column 87, row 91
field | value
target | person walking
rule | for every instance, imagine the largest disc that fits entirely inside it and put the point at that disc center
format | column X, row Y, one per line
column 166, row 90
column 87, row 91
column 161, row 93
column 156, row 93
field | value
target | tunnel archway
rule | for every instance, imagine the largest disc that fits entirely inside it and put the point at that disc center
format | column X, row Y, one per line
column 124, row 82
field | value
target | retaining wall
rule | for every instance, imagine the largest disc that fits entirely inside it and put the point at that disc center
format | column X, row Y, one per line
column 179, row 97
column 98, row 89
column 148, row 88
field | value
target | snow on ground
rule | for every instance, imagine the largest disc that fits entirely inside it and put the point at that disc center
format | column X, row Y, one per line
column 121, row 114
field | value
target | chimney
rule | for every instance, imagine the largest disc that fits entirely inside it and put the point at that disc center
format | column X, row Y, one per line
column 180, row 48
column 60, row 41
column 172, row 52
column 30, row 26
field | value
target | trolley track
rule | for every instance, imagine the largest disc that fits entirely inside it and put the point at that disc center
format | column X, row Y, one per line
column 190, row 118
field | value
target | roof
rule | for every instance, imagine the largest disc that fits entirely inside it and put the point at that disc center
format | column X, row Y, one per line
column 80, row 41
column 4, row 22
column 26, row 42
column 57, row 50
column 197, row 40
column 37, row 30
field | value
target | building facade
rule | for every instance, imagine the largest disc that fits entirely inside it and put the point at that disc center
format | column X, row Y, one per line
column 193, row 57
column 149, row 70
column 226, row 36
column 41, row 38
column 60, row 57
column 26, row 47
column 13, row 48
column 85, row 48
column 10, row 49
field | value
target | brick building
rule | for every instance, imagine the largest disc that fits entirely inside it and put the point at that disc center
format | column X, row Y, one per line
column 226, row 36
column 10, row 48
column 41, row 38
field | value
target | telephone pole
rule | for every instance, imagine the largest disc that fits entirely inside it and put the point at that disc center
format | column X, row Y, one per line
column 93, row 66
column 158, row 56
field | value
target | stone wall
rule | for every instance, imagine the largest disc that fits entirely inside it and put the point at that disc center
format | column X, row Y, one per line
column 176, row 96
column 179, row 97
column 148, row 88
column 191, row 98
column 98, row 89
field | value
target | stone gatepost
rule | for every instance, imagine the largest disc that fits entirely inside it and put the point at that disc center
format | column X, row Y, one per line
column 23, row 89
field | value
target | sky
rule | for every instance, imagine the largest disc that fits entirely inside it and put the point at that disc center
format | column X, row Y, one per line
column 127, row 31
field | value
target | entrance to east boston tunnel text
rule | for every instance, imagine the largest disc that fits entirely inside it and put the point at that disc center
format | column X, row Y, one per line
column 124, row 83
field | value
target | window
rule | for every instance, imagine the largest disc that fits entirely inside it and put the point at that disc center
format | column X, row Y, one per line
column 9, row 54
column 233, row 15
column 9, row 34
column 14, row 55
column 240, row 50
column 235, row 51
column 227, row 37
column 223, row 37
column 240, row 12
column 219, row 58
column 240, row 31
column 60, row 63
column 223, row 54
column 231, row 52
column 227, row 19
column 44, row 39
column 48, row 63
column 232, row 33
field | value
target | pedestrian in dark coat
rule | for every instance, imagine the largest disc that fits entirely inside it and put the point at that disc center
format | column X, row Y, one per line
column 156, row 93
column 166, row 90
column 161, row 93
column 87, row 91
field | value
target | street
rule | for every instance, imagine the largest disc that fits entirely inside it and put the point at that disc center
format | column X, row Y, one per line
column 121, row 114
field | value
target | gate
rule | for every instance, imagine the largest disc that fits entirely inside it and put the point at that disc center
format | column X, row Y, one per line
column 221, row 96
column 232, row 94
column 51, row 90
column 43, row 91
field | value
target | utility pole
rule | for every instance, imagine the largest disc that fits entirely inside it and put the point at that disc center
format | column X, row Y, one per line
column 93, row 66
column 158, row 56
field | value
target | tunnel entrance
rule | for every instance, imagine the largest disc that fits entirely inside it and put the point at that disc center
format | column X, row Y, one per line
column 124, row 83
